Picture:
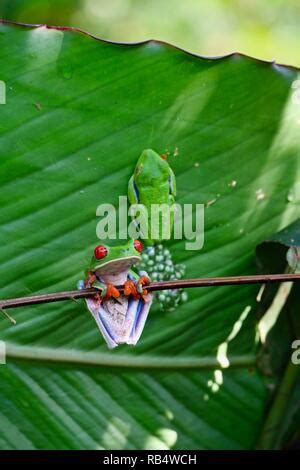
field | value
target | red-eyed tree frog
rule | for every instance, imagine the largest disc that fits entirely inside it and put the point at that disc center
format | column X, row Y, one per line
column 120, row 317
column 152, row 183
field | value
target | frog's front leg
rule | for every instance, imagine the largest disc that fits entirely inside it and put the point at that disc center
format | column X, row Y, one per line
column 106, row 291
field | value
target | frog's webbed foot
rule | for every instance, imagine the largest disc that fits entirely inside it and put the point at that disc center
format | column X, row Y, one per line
column 110, row 291
column 137, row 289
column 106, row 291
column 143, row 281
column 130, row 289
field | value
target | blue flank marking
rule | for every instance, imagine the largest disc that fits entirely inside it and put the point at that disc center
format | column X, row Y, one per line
column 137, row 314
column 170, row 185
column 130, row 277
column 137, row 194
column 106, row 327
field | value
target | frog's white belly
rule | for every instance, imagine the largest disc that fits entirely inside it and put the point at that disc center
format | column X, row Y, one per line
column 117, row 279
column 115, row 315
column 120, row 320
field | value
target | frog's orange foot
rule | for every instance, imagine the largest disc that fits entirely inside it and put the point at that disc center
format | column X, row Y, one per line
column 130, row 289
column 143, row 281
column 136, row 289
column 111, row 291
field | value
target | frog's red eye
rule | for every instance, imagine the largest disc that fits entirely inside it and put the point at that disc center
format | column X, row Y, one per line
column 138, row 246
column 100, row 252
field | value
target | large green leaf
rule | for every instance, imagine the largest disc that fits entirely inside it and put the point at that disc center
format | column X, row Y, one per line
column 79, row 111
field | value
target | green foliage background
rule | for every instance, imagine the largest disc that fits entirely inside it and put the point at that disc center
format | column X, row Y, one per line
column 73, row 127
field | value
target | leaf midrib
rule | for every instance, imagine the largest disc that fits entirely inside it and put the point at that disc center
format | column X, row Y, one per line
column 61, row 355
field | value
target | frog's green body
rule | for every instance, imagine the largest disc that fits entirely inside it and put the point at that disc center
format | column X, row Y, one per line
column 153, row 182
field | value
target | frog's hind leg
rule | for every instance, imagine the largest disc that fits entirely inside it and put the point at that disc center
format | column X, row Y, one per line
column 140, row 316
